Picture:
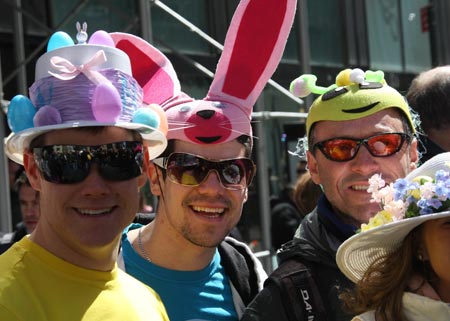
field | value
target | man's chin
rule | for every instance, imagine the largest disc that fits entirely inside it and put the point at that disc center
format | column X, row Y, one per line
column 30, row 228
column 356, row 218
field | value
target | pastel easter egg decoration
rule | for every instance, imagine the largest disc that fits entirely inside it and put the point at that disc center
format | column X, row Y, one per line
column 146, row 116
column 106, row 103
column 47, row 115
column 163, row 124
column 58, row 40
column 101, row 37
column 20, row 113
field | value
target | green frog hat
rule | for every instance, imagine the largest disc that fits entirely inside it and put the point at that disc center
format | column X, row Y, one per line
column 356, row 94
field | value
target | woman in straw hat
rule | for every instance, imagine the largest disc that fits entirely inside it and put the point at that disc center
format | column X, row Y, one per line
column 400, row 261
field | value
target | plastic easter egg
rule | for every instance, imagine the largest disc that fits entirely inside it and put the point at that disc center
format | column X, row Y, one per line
column 101, row 37
column 147, row 117
column 47, row 115
column 58, row 40
column 163, row 125
column 20, row 113
column 106, row 103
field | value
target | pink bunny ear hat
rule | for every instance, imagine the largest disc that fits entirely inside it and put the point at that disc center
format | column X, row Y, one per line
column 253, row 48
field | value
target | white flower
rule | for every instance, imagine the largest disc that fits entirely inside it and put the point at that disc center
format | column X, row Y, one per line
column 396, row 208
column 375, row 183
column 427, row 190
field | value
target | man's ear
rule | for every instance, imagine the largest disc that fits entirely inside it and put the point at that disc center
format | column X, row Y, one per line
column 413, row 154
column 313, row 168
column 156, row 178
column 33, row 174
column 142, row 179
column 246, row 195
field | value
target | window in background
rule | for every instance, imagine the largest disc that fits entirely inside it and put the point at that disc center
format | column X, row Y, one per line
column 325, row 28
column 416, row 22
column 399, row 37
column 113, row 15
column 167, row 29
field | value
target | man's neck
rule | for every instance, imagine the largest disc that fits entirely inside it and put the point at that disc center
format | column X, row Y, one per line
column 167, row 249
column 341, row 222
column 100, row 259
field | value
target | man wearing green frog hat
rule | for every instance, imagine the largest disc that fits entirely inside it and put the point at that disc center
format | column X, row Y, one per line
column 357, row 127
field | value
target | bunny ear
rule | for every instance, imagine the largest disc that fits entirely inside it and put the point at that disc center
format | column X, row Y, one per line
column 253, row 48
column 150, row 67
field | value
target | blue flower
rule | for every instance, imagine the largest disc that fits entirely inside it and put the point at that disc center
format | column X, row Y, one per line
column 405, row 199
column 442, row 190
column 400, row 188
column 442, row 175
column 434, row 202
column 426, row 211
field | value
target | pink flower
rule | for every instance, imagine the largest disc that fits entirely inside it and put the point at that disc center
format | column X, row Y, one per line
column 427, row 190
column 396, row 208
column 377, row 188
column 375, row 183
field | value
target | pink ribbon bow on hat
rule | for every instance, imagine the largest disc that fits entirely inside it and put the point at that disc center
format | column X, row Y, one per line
column 69, row 71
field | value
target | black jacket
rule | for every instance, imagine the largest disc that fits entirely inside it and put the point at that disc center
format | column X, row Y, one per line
column 7, row 240
column 308, row 262
column 285, row 220
column 244, row 270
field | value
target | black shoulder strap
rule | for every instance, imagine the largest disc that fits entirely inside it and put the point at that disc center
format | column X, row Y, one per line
column 144, row 218
column 299, row 292
column 240, row 269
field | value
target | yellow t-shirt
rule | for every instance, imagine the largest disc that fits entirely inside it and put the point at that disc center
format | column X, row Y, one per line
column 35, row 285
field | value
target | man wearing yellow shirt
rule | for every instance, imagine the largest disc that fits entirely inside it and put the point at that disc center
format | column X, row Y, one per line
column 85, row 141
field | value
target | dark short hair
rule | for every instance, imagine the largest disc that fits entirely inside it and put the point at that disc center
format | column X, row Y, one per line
column 243, row 139
column 429, row 96
column 39, row 141
column 20, row 179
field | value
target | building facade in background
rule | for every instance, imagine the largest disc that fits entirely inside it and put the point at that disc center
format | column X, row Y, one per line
column 400, row 37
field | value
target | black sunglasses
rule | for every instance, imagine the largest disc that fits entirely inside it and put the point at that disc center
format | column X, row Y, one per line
column 192, row 170
column 69, row 164
column 345, row 149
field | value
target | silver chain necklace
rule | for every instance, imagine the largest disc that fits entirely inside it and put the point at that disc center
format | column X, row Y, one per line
column 141, row 248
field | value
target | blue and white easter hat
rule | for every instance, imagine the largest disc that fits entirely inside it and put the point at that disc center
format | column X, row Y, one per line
column 83, row 85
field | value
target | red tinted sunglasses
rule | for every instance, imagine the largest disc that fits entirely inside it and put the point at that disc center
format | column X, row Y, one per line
column 345, row 149
column 191, row 170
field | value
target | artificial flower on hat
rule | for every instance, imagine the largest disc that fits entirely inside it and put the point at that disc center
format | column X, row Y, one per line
column 405, row 199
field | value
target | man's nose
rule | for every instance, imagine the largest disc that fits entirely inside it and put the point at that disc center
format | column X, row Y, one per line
column 211, row 181
column 364, row 162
